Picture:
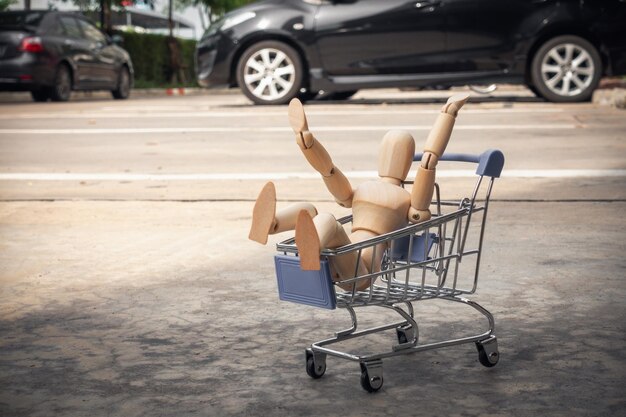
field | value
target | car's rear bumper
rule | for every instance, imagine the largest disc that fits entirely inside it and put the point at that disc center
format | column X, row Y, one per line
column 15, row 84
column 25, row 73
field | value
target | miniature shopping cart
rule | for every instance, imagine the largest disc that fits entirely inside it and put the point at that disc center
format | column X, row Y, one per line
column 436, row 259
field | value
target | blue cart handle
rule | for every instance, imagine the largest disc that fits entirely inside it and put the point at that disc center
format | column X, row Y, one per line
column 490, row 162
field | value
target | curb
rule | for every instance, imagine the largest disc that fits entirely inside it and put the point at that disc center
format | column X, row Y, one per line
column 182, row 91
column 614, row 97
column 611, row 92
column 135, row 92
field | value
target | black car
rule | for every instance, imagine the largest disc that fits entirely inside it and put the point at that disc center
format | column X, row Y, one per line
column 278, row 49
column 51, row 53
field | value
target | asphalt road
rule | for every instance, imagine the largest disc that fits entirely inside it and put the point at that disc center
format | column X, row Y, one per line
column 128, row 286
column 103, row 149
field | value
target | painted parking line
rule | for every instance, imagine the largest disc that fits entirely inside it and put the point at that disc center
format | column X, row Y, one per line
column 550, row 173
column 237, row 129
column 160, row 113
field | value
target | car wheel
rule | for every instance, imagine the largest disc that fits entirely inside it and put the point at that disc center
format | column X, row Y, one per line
column 566, row 69
column 534, row 90
column 40, row 95
column 270, row 72
column 123, row 85
column 62, row 88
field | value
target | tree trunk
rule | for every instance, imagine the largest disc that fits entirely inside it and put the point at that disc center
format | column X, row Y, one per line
column 105, row 16
column 170, row 19
column 177, row 75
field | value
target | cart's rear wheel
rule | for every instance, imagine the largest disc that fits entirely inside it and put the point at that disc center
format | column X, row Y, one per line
column 315, row 368
column 402, row 339
column 405, row 334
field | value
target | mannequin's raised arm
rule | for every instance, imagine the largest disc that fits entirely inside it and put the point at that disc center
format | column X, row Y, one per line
column 318, row 157
column 422, row 191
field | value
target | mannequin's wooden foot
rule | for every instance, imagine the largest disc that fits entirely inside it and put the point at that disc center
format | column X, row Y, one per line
column 297, row 118
column 308, row 242
column 263, row 215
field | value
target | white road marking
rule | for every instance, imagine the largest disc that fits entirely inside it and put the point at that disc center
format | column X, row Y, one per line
column 513, row 173
column 162, row 113
column 131, row 130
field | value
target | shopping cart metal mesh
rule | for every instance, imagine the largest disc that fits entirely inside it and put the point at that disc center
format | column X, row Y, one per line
column 439, row 258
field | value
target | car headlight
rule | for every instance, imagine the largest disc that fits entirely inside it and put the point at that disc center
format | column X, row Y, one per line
column 237, row 19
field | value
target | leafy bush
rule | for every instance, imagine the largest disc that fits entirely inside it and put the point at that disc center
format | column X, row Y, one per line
column 151, row 59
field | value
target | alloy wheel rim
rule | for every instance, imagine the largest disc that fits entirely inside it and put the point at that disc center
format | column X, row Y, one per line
column 567, row 69
column 269, row 74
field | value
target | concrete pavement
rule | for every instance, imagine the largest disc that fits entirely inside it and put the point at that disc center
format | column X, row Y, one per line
column 164, row 308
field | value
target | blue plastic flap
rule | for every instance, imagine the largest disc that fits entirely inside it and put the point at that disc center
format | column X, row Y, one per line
column 490, row 162
column 419, row 250
column 314, row 288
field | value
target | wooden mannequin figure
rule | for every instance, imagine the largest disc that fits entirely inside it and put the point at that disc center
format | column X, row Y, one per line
column 378, row 207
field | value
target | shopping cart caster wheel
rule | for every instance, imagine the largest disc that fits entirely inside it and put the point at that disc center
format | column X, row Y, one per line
column 488, row 354
column 371, row 376
column 406, row 334
column 315, row 364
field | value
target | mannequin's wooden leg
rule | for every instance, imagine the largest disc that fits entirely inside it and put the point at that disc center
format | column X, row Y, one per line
column 263, row 214
column 286, row 218
column 315, row 234
column 266, row 221
column 308, row 242
column 371, row 259
column 325, row 232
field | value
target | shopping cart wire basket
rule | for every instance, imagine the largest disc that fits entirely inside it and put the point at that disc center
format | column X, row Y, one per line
column 436, row 259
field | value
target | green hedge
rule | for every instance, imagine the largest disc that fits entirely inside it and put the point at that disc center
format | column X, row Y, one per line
column 151, row 61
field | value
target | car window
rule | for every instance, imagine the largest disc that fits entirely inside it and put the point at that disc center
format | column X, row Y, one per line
column 56, row 29
column 20, row 19
column 71, row 27
column 91, row 32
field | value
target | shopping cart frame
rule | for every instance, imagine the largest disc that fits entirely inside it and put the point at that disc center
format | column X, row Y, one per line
column 421, row 262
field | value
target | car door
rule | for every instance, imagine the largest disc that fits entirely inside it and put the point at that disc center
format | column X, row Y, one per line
column 76, row 49
column 103, row 55
column 486, row 35
column 362, row 37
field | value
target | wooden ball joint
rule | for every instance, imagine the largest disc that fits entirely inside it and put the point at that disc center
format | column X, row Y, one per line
column 378, row 207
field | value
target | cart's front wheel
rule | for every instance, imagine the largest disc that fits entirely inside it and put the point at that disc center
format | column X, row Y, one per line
column 488, row 354
column 315, row 368
column 371, row 376
column 371, row 384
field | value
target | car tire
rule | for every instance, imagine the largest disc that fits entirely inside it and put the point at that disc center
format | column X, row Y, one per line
column 62, row 89
column 40, row 96
column 534, row 90
column 566, row 69
column 270, row 72
column 122, row 91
